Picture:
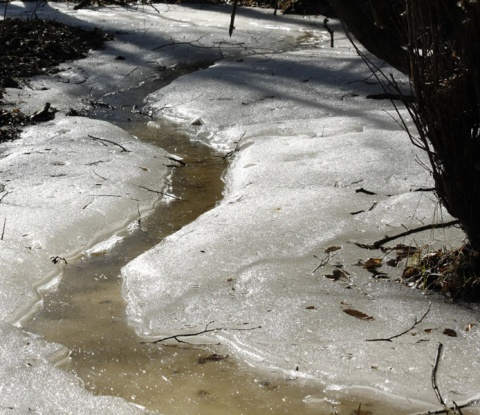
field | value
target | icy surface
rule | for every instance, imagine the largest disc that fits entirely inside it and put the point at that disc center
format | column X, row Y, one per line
column 69, row 184
column 304, row 139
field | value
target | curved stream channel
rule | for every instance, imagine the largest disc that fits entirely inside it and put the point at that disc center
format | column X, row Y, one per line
column 86, row 313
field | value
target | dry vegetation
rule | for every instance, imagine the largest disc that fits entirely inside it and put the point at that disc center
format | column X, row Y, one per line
column 31, row 47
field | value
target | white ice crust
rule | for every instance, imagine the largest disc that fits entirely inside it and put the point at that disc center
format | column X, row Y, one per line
column 67, row 185
column 305, row 139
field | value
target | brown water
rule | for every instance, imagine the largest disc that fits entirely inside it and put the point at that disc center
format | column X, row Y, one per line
column 87, row 315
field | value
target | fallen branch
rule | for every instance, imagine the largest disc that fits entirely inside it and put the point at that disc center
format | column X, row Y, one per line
column 415, row 324
column 206, row 330
column 434, row 377
column 160, row 192
column 383, row 241
column 456, row 407
column 111, row 142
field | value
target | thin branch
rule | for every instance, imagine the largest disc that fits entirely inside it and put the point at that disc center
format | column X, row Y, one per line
column 206, row 330
column 446, row 410
column 457, row 408
column 434, row 376
column 160, row 192
column 329, row 30
column 323, row 262
column 232, row 18
column 383, row 241
column 3, row 230
column 111, row 142
column 415, row 324
column 6, row 193
column 96, row 174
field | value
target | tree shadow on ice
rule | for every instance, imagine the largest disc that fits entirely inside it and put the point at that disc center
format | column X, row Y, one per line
column 319, row 87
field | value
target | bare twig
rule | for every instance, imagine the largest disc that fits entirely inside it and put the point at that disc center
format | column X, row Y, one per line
column 380, row 242
column 457, row 406
column 111, row 142
column 206, row 330
column 329, row 30
column 415, row 324
column 323, row 262
column 434, row 376
column 96, row 174
column 446, row 409
column 3, row 230
column 6, row 193
column 232, row 18
column 160, row 192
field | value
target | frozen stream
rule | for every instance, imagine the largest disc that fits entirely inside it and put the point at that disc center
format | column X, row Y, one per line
column 307, row 144
column 86, row 313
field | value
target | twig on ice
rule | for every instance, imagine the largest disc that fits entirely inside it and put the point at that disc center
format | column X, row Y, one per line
column 111, row 142
column 379, row 243
column 3, row 230
column 160, row 192
column 206, row 330
column 417, row 322
column 434, row 377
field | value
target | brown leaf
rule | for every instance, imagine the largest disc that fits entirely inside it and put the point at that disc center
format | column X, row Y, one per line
column 358, row 314
column 310, row 307
column 450, row 332
column 373, row 263
column 331, row 249
column 470, row 327
column 410, row 272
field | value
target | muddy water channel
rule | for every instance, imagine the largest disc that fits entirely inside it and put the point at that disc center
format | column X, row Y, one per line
column 86, row 313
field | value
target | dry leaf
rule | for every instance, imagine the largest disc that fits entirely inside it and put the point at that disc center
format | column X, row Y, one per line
column 358, row 314
column 372, row 263
column 470, row 327
column 310, row 307
column 331, row 249
column 450, row 332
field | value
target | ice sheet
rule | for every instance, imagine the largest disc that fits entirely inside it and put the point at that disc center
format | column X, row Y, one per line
column 305, row 138
column 70, row 183
column 305, row 143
